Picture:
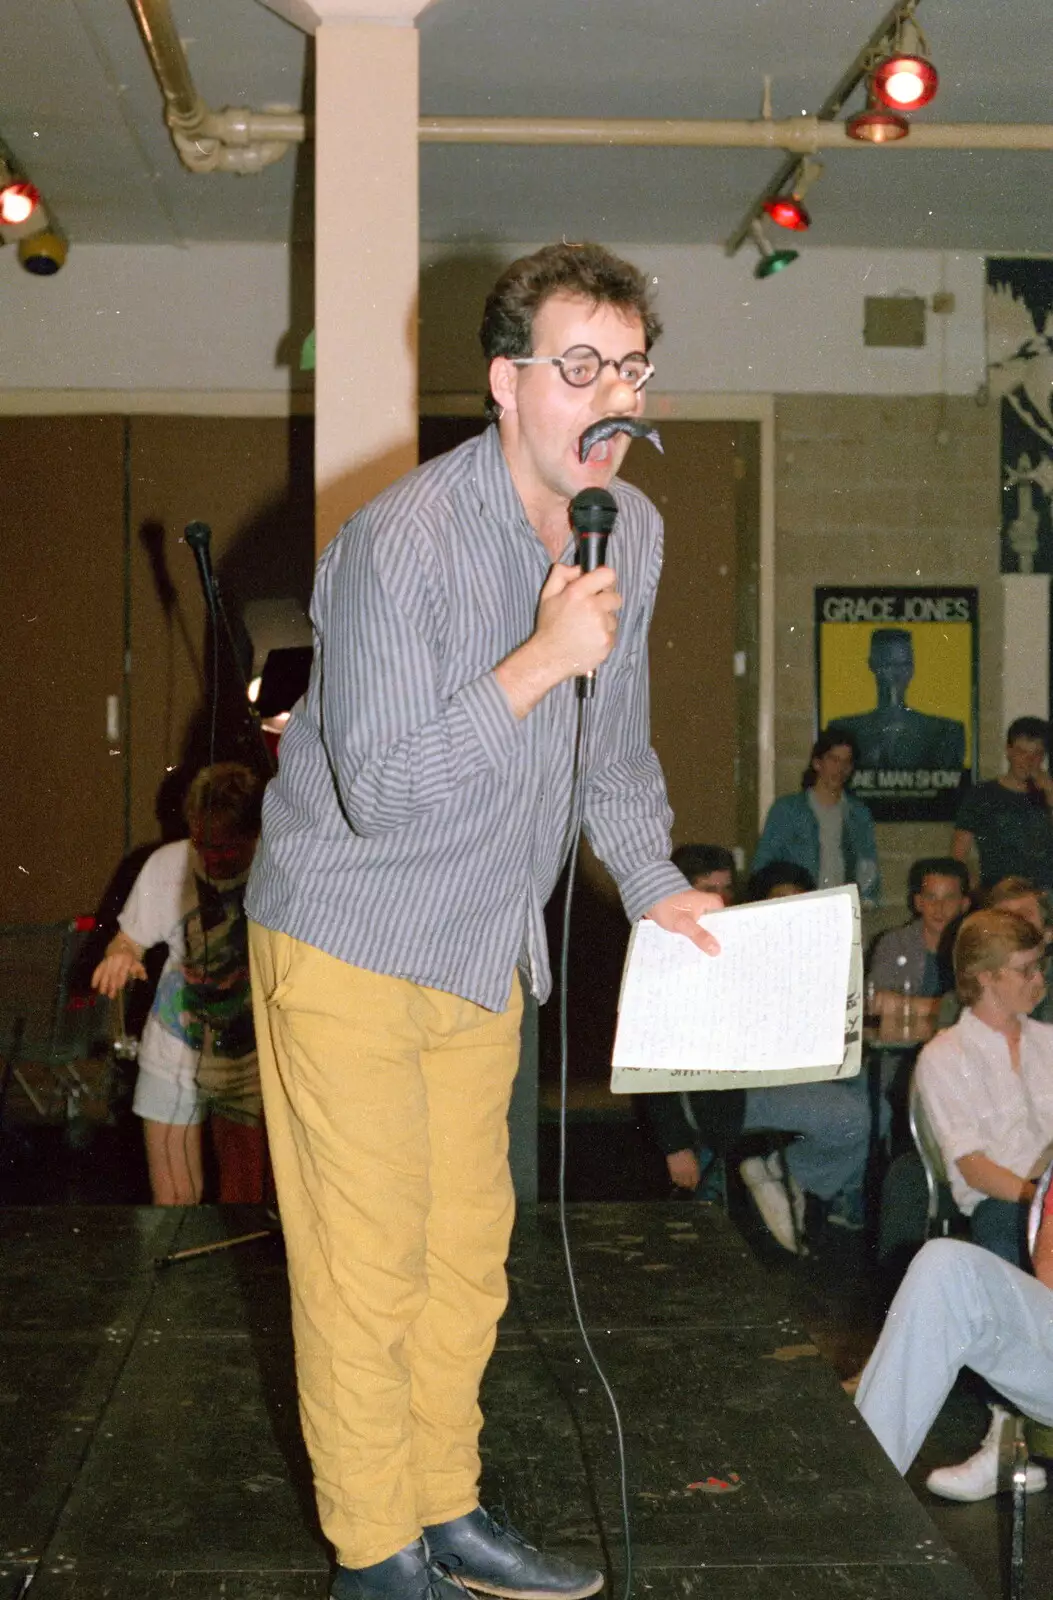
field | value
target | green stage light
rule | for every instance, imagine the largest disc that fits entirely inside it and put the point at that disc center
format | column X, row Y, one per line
column 771, row 261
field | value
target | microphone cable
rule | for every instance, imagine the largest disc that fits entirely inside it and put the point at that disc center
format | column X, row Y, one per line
column 577, row 813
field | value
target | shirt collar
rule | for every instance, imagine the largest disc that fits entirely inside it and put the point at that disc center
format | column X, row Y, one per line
column 973, row 1024
column 493, row 480
column 499, row 496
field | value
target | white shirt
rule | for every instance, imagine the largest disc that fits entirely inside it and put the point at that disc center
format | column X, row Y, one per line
column 977, row 1103
column 154, row 913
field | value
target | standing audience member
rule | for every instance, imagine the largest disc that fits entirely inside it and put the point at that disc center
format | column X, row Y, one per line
column 906, row 960
column 197, row 1058
column 1008, row 819
column 986, row 1084
column 823, row 829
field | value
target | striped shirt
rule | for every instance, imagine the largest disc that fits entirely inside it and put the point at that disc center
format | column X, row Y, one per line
column 416, row 827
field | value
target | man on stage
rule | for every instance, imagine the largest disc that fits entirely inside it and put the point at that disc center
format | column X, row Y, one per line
column 418, row 824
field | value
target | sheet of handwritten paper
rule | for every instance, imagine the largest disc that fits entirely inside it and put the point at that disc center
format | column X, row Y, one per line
column 772, row 1006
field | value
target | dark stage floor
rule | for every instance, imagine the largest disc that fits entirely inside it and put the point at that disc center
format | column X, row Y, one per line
column 149, row 1444
column 177, row 1387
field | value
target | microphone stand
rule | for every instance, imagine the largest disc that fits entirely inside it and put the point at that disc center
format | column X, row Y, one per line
column 198, row 535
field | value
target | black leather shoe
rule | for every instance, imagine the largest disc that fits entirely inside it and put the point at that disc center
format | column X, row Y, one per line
column 407, row 1575
column 486, row 1553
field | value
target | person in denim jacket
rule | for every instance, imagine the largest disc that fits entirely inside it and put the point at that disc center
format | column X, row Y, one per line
column 822, row 828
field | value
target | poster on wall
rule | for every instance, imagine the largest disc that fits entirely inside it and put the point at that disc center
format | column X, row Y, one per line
column 1019, row 307
column 898, row 669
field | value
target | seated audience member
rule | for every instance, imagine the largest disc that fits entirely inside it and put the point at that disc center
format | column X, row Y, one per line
column 197, row 1058
column 694, row 1165
column 987, row 1082
column 957, row 1307
column 906, row 960
column 1008, row 820
column 1020, row 896
column 822, row 828
column 832, row 1119
column 709, row 867
column 776, row 880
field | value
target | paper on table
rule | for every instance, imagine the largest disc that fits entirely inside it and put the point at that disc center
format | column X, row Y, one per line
column 775, row 997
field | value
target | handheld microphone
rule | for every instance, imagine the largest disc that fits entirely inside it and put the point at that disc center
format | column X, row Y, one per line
column 592, row 514
column 198, row 535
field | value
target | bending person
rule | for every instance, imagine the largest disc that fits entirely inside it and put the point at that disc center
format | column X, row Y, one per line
column 197, row 1057
column 960, row 1306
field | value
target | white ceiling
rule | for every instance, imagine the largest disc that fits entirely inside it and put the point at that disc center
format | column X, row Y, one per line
column 81, row 111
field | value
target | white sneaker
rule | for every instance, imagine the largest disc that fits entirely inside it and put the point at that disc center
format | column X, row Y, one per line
column 797, row 1196
column 770, row 1198
column 978, row 1478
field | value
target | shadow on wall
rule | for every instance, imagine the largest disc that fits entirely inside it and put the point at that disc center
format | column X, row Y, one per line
column 269, row 556
column 453, row 291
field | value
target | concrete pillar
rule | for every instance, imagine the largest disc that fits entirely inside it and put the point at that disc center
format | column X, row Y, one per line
column 367, row 113
column 1025, row 648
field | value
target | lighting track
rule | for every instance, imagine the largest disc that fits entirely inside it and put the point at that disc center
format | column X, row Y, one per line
column 788, row 172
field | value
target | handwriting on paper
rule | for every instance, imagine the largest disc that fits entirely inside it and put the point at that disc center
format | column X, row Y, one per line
column 774, row 998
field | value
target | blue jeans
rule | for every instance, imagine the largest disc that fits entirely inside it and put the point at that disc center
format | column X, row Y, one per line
column 1001, row 1227
column 958, row 1306
column 833, row 1120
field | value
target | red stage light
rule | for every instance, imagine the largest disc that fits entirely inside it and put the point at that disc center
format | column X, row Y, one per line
column 788, row 212
column 875, row 126
column 904, row 82
column 18, row 201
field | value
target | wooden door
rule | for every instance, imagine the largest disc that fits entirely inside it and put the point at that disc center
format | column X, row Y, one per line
column 62, row 546
column 704, row 630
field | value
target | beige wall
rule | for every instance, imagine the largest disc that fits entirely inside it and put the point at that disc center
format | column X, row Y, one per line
column 897, row 490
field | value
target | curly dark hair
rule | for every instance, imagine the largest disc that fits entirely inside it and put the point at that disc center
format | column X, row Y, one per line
column 587, row 270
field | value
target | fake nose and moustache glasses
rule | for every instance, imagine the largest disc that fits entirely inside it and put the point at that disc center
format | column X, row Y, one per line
column 607, row 427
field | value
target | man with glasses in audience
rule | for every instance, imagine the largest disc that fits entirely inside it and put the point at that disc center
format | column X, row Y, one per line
column 418, row 824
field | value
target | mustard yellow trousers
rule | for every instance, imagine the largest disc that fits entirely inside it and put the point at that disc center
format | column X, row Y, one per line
column 386, row 1108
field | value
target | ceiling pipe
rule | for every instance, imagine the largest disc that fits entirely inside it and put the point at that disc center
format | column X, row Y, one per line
column 232, row 140
column 798, row 135
column 240, row 140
